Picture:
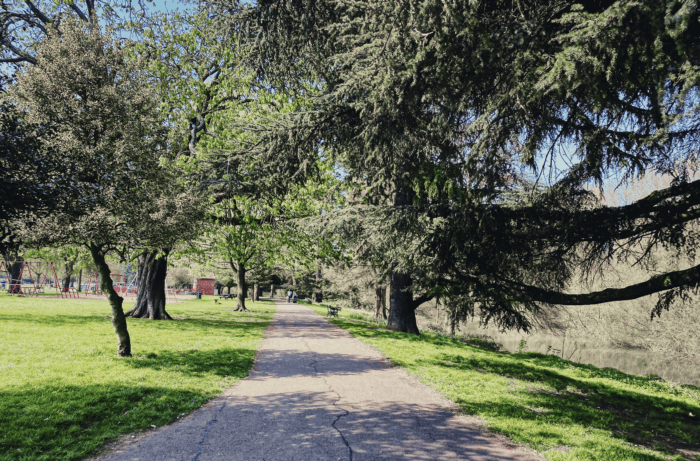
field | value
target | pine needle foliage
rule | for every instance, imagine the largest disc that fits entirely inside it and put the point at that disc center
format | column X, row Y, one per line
column 453, row 114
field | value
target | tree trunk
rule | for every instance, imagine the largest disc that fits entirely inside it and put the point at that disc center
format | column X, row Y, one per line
column 242, row 287
column 318, row 295
column 150, row 299
column 256, row 293
column 380, row 302
column 115, row 302
column 15, row 282
column 67, row 273
column 402, row 314
column 272, row 291
column 80, row 281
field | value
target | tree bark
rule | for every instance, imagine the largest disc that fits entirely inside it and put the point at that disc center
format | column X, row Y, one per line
column 402, row 315
column 80, row 281
column 256, row 293
column 253, row 292
column 380, row 302
column 115, row 302
column 14, row 271
column 67, row 272
column 272, row 291
column 150, row 299
column 318, row 295
column 239, row 269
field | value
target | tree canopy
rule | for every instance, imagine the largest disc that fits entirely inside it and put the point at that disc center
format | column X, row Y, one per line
column 479, row 129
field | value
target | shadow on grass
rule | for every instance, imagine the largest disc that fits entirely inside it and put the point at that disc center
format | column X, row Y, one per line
column 228, row 362
column 260, row 323
column 54, row 422
column 542, row 392
column 60, row 319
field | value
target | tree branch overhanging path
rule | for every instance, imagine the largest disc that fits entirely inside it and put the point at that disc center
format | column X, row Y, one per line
column 446, row 124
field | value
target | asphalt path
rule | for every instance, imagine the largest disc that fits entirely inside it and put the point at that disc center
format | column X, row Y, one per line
column 316, row 393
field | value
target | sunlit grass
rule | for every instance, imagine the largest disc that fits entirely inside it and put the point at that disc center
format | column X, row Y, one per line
column 63, row 391
column 566, row 410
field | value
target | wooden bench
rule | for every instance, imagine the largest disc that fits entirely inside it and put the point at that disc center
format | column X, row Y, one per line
column 332, row 311
column 231, row 296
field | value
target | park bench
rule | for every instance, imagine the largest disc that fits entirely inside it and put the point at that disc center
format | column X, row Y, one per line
column 231, row 296
column 332, row 311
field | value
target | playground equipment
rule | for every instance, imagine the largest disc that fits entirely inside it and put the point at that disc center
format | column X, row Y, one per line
column 93, row 284
column 29, row 286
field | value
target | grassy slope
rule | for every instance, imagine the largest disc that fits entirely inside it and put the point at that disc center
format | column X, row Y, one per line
column 566, row 410
column 63, row 391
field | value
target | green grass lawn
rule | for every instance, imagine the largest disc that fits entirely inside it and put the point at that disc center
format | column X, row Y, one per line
column 566, row 410
column 63, row 391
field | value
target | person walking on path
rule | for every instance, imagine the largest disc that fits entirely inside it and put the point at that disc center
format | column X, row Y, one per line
column 289, row 296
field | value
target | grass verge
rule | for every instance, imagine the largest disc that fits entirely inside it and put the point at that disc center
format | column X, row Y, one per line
column 64, row 393
column 565, row 410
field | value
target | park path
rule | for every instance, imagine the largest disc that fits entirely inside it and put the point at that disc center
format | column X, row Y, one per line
column 316, row 393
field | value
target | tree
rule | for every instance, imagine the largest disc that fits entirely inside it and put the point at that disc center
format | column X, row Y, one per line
column 452, row 114
column 194, row 70
column 24, row 23
column 241, row 235
column 67, row 260
column 171, row 213
column 99, row 110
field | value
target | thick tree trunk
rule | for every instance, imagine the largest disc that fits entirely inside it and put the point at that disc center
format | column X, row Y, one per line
column 380, row 302
column 150, row 299
column 242, row 287
column 256, row 293
column 272, row 291
column 115, row 302
column 402, row 314
column 80, row 281
column 15, row 283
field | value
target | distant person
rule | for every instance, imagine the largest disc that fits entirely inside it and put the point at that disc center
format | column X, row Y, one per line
column 289, row 296
column 294, row 297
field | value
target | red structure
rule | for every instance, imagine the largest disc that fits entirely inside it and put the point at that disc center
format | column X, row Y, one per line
column 36, row 285
column 119, row 283
column 204, row 286
column 93, row 284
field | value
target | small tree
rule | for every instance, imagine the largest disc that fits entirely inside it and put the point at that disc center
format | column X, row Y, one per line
column 96, row 107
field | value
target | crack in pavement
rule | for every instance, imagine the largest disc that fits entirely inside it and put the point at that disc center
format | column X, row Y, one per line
column 206, row 432
column 335, row 403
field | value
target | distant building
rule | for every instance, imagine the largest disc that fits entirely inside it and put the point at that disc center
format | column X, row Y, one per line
column 204, row 286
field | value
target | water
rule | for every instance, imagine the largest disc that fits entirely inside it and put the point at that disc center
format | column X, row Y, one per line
column 680, row 370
